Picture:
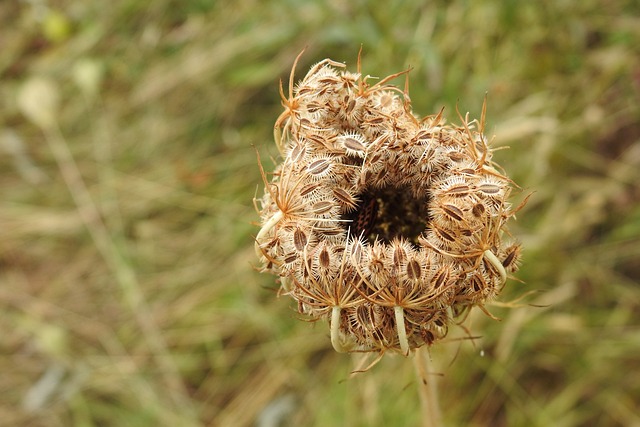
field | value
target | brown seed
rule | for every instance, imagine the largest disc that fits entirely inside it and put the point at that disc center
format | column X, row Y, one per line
column 375, row 121
column 444, row 235
column 350, row 106
column 324, row 259
column 510, row 262
column 319, row 167
column 309, row 188
column 329, row 230
column 459, row 190
column 489, row 189
column 344, row 197
column 291, row 258
column 427, row 336
column 351, row 143
column 399, row 255
column 441, row 277
column 439, row 321
column 299, row 239
column 477, row 284
column 413, row 270
column 322, row 207
column 305, row 123
column 329, row 80
column 422, row 135
column 452, row 211
column 298, row 153
column 478, row 210
column 376, row 266
column 316, row 138
column 456, row 157
column 313, row 107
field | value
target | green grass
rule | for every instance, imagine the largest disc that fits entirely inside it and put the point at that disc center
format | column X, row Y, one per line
column 128, row 288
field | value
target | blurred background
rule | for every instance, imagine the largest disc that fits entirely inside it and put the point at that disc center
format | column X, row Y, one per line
column 128, row 138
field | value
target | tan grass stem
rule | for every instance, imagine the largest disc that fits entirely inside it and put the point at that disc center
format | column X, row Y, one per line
column 124, row 273
column 427, row 389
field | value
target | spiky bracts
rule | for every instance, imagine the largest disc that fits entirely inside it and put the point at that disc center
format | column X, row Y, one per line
column 388, row 226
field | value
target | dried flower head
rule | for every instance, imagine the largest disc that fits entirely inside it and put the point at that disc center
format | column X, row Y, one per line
column 387, row 225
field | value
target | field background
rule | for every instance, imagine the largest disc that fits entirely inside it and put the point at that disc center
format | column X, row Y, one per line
column 128, row 130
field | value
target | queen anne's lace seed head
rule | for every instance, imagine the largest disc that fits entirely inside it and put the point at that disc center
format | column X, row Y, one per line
column 384, row 224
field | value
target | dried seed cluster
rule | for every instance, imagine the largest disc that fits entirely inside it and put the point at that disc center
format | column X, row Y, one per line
column 386, row 225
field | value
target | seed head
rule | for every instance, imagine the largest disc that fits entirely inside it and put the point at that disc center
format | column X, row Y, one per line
column 386, row 225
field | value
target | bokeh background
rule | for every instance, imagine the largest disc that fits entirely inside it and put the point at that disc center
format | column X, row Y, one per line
column 128, row 138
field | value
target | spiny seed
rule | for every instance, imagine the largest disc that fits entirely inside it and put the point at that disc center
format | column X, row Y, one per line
column 439, row 321
column 444, row 235
column 375, row 120
column 303, row 90
column 511, row 260
column 423, row 134
column 478, row 210
column 467, row 171
column 350, row 106
column 441, row 277
column 452, row 211
column 489, row 266
column 459, row 190
column 313, row 107
column 318, row 167
column 413, row 270
column 376, row 266
column 318, row 139
column 427, row 336
column 305, row 123
column 375, row 158
column 356, row 252
column 456, row 157
column 351, row 143
column 309, row 188
column 399, row 256
column 324, row 259
column 291, row 258
column 477, row 284
column 344, row 197
column 329, row 230
column 329, row 80
column 363, row 315
column 489, row 189
column 322, row 207
column 298, row 153
column 299, row 239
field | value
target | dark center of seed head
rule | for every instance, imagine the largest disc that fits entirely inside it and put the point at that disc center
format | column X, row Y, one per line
column 387, row 213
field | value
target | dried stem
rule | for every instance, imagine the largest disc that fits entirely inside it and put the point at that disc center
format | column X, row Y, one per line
column 427, row 387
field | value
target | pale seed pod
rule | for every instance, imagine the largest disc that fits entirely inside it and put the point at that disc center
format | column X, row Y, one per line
column 353, row 143
column 320, row 168
column 455, row 186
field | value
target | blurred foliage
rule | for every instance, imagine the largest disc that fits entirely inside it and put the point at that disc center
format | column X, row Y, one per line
column 128, row 132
